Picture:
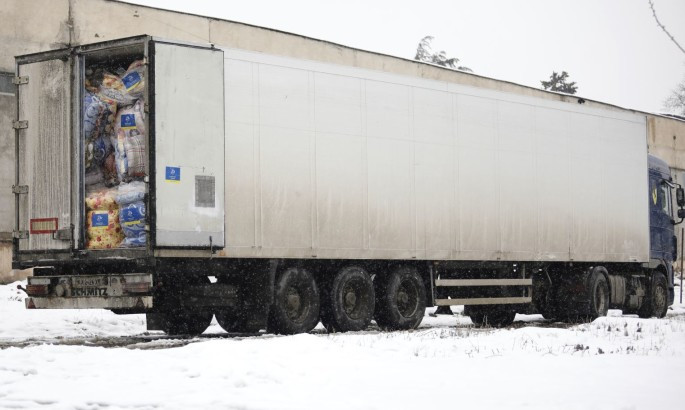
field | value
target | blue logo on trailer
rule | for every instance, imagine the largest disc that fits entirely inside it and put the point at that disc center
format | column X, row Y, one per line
column 128, row 121
column 100, row 220
column 173, row 174
column 131, row 80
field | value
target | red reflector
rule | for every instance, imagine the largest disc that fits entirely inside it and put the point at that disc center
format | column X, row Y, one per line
column 137, row 287
column 43, row 225
column 30, row 304
column 37, row 290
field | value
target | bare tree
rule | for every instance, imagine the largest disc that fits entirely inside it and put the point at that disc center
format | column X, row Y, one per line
column 675, row 103
column 425, row 53
column 651, row 5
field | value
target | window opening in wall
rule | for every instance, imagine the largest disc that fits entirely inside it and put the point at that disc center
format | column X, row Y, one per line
column 6, row 85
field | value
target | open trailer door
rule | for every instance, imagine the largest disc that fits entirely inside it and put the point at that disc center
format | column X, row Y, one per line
column 43, row 186
column 187, row 87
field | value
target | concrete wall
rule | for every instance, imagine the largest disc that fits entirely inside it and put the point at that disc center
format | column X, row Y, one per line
column 6, row 179
column 40, row 25
column 9, row 275
column 128, row 20
column 667, row 140
column 27, row 26
column 7, row 109
column 31, row 26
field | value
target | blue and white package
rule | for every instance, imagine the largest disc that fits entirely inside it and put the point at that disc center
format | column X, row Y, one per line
column 132, row 219
column 133, row 242
column 101, row 147
column 132, row 192
column 97, row 116
column 134, row 79
column 93, row 111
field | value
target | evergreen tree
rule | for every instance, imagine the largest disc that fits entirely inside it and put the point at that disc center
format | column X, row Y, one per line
column 559, row 82
column 425, row 53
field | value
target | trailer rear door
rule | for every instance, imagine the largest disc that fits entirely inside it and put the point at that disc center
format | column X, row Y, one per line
column 188, row 145
column 44, row 159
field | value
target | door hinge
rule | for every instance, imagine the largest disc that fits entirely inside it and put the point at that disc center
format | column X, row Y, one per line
column 20, row 80
column 17, row 125
column 62, row 234
column 20, row 234
column 20, row 189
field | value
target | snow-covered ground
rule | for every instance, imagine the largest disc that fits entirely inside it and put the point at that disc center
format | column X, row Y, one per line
column 63, row 361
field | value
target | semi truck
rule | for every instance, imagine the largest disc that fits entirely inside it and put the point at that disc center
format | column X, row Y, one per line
column 276, row 193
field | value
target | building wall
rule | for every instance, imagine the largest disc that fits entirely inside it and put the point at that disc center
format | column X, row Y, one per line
column 40, row 25
column 7, row 110
column 667, row 140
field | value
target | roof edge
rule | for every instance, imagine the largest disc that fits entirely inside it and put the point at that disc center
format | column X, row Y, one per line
column 581, row 99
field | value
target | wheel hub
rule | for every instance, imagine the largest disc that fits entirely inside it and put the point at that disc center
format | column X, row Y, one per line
column 294, row 306
column 407, row 298
column 659, row 299
column 350, row 300
column 353, row 299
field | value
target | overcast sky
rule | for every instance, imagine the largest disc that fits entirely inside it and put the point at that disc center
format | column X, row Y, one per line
column 613, row 49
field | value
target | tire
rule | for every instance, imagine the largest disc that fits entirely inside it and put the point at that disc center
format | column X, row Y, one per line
column 543, row 298
column 582, row 296
column 400, row 300
column 598, row 294
column 181, row 322
column 295, row 308
column 490, row 315
column 234, row 321
column 244, row 317
column 656, row 304
column 348, row 302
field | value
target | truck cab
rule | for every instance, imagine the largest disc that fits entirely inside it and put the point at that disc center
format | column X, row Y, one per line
column 663, row 242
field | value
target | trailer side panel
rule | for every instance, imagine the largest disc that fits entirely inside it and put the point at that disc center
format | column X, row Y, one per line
column 336, row 162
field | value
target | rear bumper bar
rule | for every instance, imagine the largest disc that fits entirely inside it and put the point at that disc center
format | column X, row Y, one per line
column 120, row 302
column 131, row 291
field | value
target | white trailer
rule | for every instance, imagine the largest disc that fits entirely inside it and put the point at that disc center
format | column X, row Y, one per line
column 320, row 191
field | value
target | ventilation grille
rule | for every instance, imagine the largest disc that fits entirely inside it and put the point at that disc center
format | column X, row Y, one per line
column 204, row 191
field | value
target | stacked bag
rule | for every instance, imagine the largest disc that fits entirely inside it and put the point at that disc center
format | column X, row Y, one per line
column 131, row 200
column 102, row 221
column 115, row 155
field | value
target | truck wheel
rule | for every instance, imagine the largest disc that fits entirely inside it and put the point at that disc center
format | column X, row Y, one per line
column 237, row 322
column 583, row 296
column 296, row 303
column 348, row 302
column 598, row 294
column 656, row 302
column 180, row 322
column 543, row 298
column 490, row 315
column 400, row 299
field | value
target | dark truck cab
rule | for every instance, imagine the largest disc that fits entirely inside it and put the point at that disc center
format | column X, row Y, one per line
column 662, row 239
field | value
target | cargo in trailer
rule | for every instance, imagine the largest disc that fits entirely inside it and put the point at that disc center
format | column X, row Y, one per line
column 315, row 191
